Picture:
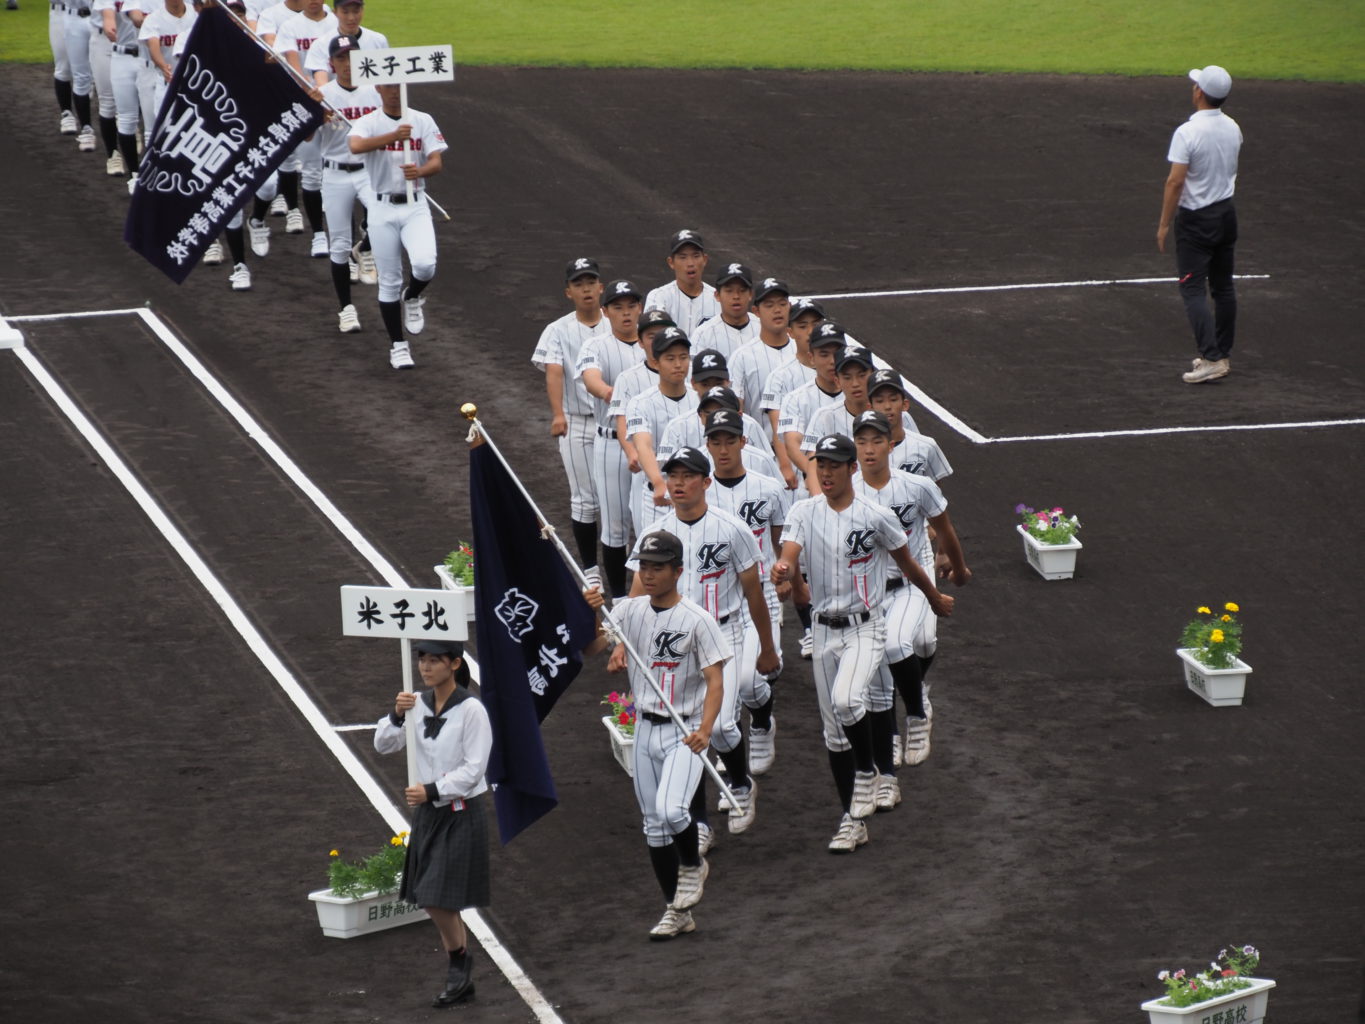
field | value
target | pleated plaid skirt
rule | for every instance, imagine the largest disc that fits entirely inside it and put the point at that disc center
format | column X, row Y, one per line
column 447, row 863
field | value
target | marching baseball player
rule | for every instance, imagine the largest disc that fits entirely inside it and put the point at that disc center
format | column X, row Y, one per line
column 101, row 54
column 910, row 452
column 801, row 321
column 603, row 358
column 688, row 431
column 571, row 407
column 751, row 365
column 688, row 299
column 735, row 326
column 160, row 30
column 124, row 60
column 76, row 28
column 61, row 67
column 286, row 202
column 721, row 573
column 636, row 380
column 686, row 651
column 294, row 39
column 648, row 414
column 845, row 540
column 911, row 628
column 349, row 14
column 382, row 137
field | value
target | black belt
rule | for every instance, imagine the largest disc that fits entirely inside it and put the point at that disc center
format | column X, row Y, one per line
column 336, row 166
column 650, row 716
column 398, row 198
column 604, row 432
column 842, row 621
column 127, row 51
column 81, row 12
column 723, row 620
column 895, row 584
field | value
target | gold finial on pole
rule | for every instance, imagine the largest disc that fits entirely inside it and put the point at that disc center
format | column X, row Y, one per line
column 469, row 410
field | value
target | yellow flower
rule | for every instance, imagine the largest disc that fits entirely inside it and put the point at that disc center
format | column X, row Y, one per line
column 396, row 841
column 1227, row 618
column 334, row 854
column 1216, row 637
column 1204, row 610
column 1231, row 607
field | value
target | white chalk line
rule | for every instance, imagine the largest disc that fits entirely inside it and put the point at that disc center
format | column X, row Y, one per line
column 368, row 785
column 1301, row 425
column 35, row 317
column 1028, row 286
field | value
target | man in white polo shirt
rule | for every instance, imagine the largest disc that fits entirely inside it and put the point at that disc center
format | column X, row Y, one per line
column 1203, row 177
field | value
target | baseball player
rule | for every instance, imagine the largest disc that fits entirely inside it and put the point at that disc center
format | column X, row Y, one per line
column 752, row 364
column 382, row 137
column 685, row 652
column 735, row 326
column 101, row 54
column 61, row 67
column 76, row 29
column 688, row 299
column 721, row 573
column 344, row 181
column 160, row 30
column 571, row 408
column 124, row 60
column 648, row 414
column 294, row 39
column 601, row 361
column 349, row 14
column 911, row 628
column 636, row 380
column 688, row 431
column 801, row 321
column 910, row 452
column 845, row 540
column 286, row 202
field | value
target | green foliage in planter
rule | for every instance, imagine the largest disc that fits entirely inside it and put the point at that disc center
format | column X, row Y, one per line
column 460, row 563
column 1048, row 525
column 1214, row 640
column 1225, row 975
column 377, row 873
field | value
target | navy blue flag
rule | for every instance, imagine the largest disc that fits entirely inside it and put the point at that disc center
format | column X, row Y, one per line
column 531, row 625
column 228, row 121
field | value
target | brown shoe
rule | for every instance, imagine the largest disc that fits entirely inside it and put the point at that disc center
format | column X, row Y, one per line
column 1206, row 370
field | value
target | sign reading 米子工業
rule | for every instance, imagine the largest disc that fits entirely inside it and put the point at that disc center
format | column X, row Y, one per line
column 404, row 65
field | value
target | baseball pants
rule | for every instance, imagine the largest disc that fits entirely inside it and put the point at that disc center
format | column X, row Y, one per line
column 123, row 71
column 1204, row 256
column 56, row 38
column 845, row 662
column 742, row 683
column 147, row 78
column 575, row 451
column 395, row 228
column 309, row 155
column 611, row 479
column 101, row 54
column 666, row 776
column 340, row 190
column 77, row 31
column 265, row 193
column 911, row 628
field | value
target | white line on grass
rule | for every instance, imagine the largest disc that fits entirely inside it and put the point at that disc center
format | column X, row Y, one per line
column 1302, row 425
column 77, row 316
column 899, row 292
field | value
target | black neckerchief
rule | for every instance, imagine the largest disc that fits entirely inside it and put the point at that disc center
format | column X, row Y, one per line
column 432, row 723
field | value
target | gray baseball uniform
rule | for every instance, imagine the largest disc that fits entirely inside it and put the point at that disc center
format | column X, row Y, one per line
column 560, row 344
column 610, row 470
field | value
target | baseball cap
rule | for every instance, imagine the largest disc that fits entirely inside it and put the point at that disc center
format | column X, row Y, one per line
column 885, row 379
column 655, row 318
column 800, row 306
column 342, row 43
column 770, row 286
column 1213, row 81
column 685, row 237
column 735, row 272
column 668, row 338
column 621, row 289
column 726, row 398
column 871, row 418
column 854, row 354
column 708, row 364
column 581, row 267
column 453, row 648
column 689, row 459
column 836, row 448
column 660, row 546
column 828, row 333
column 724, row 421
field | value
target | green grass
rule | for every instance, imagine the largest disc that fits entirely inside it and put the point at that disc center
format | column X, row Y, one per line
column 1321, row 40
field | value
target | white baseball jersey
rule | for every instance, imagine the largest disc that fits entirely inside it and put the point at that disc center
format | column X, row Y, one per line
column 845, row 552
column 610, row 356
column 634, row 380
column 559, row 345
column 800, row 405
column 836, row 419
column 272, row 16
column 920, row 453
column 385, row 166
column 301, row 32
column 676, row 643
column 125, row 30
column 651, row 412
column 317, row 58
column 716, row 549
column 749, row 371
column 784, row 380
column 688, row 313
column 760, row 502
column 353, row 104
column 914, row 500
column 721, row 336
column 166, row 28
column 688, row 431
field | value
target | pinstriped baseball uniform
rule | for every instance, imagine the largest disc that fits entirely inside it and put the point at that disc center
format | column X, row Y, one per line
column 836, row 419
column 920, row 454
column 782, row 382
column 845, row 553
column 688, row 313
column 649, row 413
column 721, row 336
column 755, row 459
column 676, row 643
column 689, row 432
column 749, row 371
column 560, row 344
column 759, row 501
column 716, row 549
column 610, row 470
column 635, row 380
column 801, row 404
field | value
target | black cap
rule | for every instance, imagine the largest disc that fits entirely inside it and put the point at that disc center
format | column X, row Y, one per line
column 828, row 333
column 724, row 421
column 668, row 338
column 342, row 43
column 854, row 354
column 453, row 648
column 655, row 318
column 769, row 286
column 871, row 418
column 802, row 306
column 621, row 289
column 709, row 363
column 885, row 379
column 722, row 395
column 836, row 448
column 660, row 546
column 685, row 237
column 735, row 272
column 690, row 459
column 581, row 267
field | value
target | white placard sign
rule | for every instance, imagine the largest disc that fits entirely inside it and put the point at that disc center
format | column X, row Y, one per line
column 403, row 65
column 397, row 614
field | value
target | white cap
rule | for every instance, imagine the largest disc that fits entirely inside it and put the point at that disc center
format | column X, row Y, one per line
column 1213, row 81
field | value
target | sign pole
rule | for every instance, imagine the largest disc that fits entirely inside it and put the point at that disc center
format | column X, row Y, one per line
column 410, row 723
column 407, row 143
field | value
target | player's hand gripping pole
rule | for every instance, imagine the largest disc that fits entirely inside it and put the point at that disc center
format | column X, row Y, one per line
column 479, row 435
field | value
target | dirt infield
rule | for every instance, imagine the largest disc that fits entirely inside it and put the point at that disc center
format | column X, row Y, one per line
column 1083, row 820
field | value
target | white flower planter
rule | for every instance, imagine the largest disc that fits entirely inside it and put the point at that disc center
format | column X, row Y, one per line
column 448, row 583
column 1245, row 1006
column 343, row 917
column 1221, row 687
column 1052, row 561
column 622, row 746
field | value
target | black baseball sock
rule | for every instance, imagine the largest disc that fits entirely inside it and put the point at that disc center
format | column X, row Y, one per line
column 907, row 674
column 688, row 845
column 664, row 860
column 236, row 244
column 585, row 536
column 614, row 565
column 312, row 206
column 289, row 188
column 761, row 717
column 924, row 664
column 416, row 286
column 697, row 808
column 63, row 90
column 803, row 613
column 883, row 729
column 841, row 765
column 341, row 281
column 392, row 315
column 81, row 104
column 109, row 133
column 737, row 764
column 127, row 145
column 860, row 735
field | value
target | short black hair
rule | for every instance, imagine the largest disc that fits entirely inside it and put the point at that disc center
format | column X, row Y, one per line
column 1214, row 101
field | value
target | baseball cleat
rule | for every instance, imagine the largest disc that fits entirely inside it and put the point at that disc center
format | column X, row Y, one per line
column 319, row 247
column 240, row 278
column 888, row 792
column 807, row 644
column 278, row 206
column 691, row 885
column 400, row 356
column 260, row 237
column 293, row 222
column 1206, row 370
column 916, row 740
column 762, row 748
column 354, row 268
column 132, row 183
column 864, row 803
column 671, row 925
column 742, row 817
column 369, row 273
column 114, row 165
column 924, row 698
column 85, row 140
column 850, row 835
column 897, row 754
column 413, row 319
column 706, row 838
column 348, row 321
column 213, row 255
column 67, row 125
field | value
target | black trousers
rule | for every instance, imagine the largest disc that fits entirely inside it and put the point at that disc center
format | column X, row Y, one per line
column 1204, row 243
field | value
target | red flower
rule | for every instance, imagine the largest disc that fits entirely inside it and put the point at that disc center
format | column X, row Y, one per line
column 1229, row 973
column 623, row 718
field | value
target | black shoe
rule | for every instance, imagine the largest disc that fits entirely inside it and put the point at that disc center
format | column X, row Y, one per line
column 459, row 987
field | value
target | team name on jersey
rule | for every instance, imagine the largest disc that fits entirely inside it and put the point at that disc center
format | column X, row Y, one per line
column 304, row 44
column 858, row 546
column 168, row 40
column 355, row 113
column 402, row 144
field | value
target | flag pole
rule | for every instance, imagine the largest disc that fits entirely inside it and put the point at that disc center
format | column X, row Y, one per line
column 478, row 434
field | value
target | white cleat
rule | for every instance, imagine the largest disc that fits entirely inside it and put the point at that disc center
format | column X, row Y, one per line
column 348, row 321
column 293, row 222
column 369, row 273
column 916, row 739
column 355, row 271
column 278, row 206
column 132, row 183
column 213, row 255
column 413, row 319
column 400, row 356
column 114, row 165
column 742, row 817
column 763, row 748
column 671, row 925
column 864, row 803
column 85, row 140
column 691, row 885
column 852, row 834
column 67, row 125
column 319, row 247
column 807, row 644
column 240, row 278
column 706, row 838
column 888, row 792
column 259, row 231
